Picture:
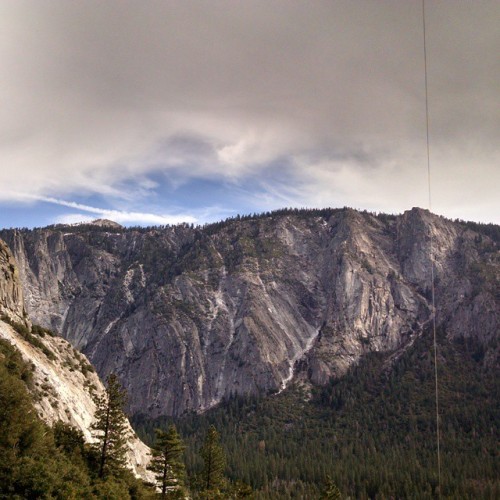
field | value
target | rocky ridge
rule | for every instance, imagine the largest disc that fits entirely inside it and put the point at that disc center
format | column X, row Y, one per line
column 11, row 292
column 64, row 382
column 188, row 316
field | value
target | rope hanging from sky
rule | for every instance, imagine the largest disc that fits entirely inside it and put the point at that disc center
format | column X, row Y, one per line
column 431, row 257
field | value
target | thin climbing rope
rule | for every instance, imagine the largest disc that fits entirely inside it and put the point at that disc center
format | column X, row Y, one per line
column 431, row 257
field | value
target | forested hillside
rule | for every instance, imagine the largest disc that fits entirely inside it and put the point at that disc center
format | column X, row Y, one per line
column 372, row 432
column 39, row 461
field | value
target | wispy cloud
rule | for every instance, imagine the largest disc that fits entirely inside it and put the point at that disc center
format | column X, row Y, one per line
column 185, row 90
column 120, row 216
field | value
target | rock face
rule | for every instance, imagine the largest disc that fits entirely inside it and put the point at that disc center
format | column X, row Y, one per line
column 106, row 223
column 188, row 316
column 64, row 380
column 11, row 293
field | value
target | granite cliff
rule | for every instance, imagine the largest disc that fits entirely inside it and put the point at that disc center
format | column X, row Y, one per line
column 188, row 316
column 11, row 292
column 64, row 382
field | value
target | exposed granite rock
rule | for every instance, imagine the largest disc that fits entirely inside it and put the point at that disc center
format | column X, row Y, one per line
column 11, row 293
column 106, row 223
column 187, row 316
column 64, row 388
column 63, row 379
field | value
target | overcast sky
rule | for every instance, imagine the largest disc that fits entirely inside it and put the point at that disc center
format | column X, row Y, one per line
column 157, row 112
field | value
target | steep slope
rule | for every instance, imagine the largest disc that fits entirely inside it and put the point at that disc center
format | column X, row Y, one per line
column 188, row 316
column 64, row 385
column 11, row 293
column 64, row 382
column 372, row 431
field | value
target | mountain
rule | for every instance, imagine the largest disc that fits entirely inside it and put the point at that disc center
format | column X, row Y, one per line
column 11, row 292
column 372, row 431
column 63, row 382
column 188, row 316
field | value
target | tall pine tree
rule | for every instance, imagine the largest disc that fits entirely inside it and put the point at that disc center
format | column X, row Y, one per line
column 167, row 463
column 330, row 490
column 110, row 429
column 214, row 461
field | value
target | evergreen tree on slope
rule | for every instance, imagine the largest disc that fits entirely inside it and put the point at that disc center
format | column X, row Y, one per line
column 110, row 429
column 214, row 461
column 331, row 491
column 167, row 463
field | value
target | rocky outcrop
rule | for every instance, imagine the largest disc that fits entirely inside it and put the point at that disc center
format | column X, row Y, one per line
column 64, row 382
column 188, row 316
column 64, row 385
column 11, row 293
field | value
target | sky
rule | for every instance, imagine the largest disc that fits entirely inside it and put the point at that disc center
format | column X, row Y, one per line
column 160, row 112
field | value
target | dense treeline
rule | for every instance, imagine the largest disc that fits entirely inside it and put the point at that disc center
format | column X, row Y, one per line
column 490, row 230
column 43, row 462
column 303, row 213
column 371, row 434
column 486, row 229
column 37, row 461
column 373, row 431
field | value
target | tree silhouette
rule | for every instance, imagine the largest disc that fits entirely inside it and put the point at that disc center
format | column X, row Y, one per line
column 110, row 428
column 331, row 491
column 167, row 462
column 214, row 461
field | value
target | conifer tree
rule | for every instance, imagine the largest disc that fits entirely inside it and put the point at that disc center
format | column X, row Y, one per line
column 214, row 461
column 331, row 491
column 167, row 462
column 110, row 428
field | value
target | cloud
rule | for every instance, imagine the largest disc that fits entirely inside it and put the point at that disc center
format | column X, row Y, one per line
column 122, row 217
column 99, row 96
column 73, row 219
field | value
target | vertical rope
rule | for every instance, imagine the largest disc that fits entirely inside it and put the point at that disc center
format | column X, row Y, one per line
column 431, row 258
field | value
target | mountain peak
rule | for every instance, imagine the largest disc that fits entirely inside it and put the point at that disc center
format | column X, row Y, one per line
column 106, row 223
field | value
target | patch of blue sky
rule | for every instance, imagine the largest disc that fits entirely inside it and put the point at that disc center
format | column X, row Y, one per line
column 163, row 194
column 33, row 214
